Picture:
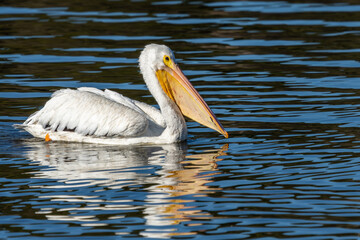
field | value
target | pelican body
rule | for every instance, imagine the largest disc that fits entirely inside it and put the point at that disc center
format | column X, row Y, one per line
column 95, row 116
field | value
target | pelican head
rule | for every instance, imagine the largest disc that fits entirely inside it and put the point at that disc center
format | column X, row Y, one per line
column 153, row 55
column 159, row 62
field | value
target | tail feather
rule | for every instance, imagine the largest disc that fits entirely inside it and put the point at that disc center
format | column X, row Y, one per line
column 19, row 126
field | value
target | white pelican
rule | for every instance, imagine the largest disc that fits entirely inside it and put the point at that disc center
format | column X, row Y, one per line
column 95, row 116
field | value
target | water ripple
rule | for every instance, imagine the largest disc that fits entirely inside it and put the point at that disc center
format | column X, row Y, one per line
column 281, row 76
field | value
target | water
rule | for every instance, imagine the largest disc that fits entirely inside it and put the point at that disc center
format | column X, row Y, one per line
column 282, row 77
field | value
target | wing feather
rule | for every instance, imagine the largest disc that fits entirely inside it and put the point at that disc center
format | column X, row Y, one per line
column 89, row 111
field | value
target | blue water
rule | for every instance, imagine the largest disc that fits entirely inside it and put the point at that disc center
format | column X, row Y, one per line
column 282, row 77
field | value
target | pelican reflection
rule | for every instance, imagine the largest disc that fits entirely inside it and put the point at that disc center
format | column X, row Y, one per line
column 150, row 180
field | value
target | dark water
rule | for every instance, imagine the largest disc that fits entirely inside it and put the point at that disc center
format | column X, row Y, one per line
column 282, row 76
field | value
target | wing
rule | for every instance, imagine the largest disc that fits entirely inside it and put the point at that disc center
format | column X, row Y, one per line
column 89, row 111
column 152, row 113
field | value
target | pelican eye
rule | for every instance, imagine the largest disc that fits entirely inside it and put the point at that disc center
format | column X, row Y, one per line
column 167, row 61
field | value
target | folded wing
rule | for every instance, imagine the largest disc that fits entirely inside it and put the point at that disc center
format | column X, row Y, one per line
column 91, row 112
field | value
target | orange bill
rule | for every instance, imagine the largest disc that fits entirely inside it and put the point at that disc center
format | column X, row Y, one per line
column 191, row 104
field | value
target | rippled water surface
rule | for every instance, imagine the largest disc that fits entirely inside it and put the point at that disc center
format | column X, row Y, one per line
column 282, row 77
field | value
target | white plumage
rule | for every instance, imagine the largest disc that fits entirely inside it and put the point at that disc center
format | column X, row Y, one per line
column 96, row 116
column 103, row 114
